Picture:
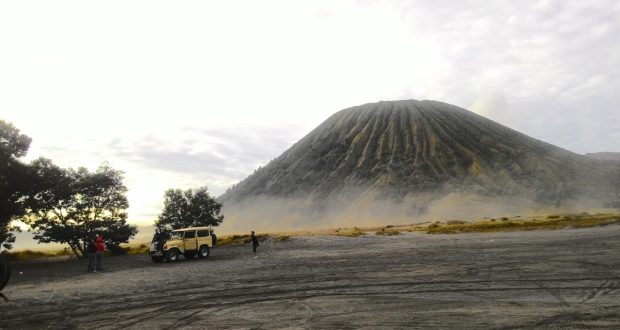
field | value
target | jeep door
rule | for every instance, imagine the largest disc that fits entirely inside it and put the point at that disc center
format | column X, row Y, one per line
column 204, row 237
column 189, row 240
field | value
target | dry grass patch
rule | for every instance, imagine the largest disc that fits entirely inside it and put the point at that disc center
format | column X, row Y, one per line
column 29, row 254
column 581, row 220
column 281, row 238
column 245, row 239
column 348, row 232
column 134, row 249
column 456, row 222
column 387, row 231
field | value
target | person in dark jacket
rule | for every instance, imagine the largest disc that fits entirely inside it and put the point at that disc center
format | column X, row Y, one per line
column 100, row 246
column 91, row 252
column 159, row 239
column 254, row 244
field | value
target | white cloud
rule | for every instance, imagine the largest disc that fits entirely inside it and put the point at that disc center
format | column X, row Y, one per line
column 491, row 105
column 158, row 88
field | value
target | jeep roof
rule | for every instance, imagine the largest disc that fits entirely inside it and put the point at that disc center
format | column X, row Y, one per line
column 193, row 228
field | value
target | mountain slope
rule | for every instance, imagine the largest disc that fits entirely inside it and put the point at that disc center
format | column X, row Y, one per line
column 394, row 149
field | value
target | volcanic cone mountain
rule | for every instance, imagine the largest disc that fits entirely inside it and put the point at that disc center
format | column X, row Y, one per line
column 392, row 150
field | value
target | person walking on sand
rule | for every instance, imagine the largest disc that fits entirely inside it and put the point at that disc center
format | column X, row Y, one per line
column 254, row 244
column 91, row 252
column 100, row 246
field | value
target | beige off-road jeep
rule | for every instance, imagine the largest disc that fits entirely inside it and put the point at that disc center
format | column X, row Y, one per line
column 187, row 241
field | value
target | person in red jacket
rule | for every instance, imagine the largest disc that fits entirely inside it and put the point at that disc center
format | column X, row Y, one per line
column 100, row 248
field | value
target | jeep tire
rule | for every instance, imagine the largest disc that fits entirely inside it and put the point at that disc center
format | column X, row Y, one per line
column 203, row 252
column 172, row 255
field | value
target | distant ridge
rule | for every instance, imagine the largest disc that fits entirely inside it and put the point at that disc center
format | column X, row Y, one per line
column 604, row 155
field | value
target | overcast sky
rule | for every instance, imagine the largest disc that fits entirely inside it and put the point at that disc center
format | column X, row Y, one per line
column 191, row 93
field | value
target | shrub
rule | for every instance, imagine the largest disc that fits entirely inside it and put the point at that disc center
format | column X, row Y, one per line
column 140, row 249
column 117, row 250
column 434, row 225
column 456, row 222
column 387, row 231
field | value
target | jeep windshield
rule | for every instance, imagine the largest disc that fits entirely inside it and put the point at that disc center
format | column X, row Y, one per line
column 176, row 235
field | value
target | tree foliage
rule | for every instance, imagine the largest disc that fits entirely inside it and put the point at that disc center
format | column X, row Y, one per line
column 189, row 208
column 73, row 206
column 14, row 178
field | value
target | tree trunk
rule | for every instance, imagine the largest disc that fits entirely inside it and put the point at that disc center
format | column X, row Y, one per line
column 5, row 271
column 76, row 250
column 73, row 250
column 81, row 249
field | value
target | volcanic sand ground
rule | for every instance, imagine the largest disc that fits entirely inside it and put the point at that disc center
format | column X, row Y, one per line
column 540, row 279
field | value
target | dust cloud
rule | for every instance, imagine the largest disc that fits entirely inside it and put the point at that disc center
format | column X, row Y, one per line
column 271, row 214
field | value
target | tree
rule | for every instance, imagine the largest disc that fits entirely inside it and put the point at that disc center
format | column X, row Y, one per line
column 189, row 208
column 14, row 178
column 73, row 206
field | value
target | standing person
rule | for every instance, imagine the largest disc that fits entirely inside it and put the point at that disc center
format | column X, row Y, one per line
column 100, row 248
column 91, row 251
column 254, row 244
